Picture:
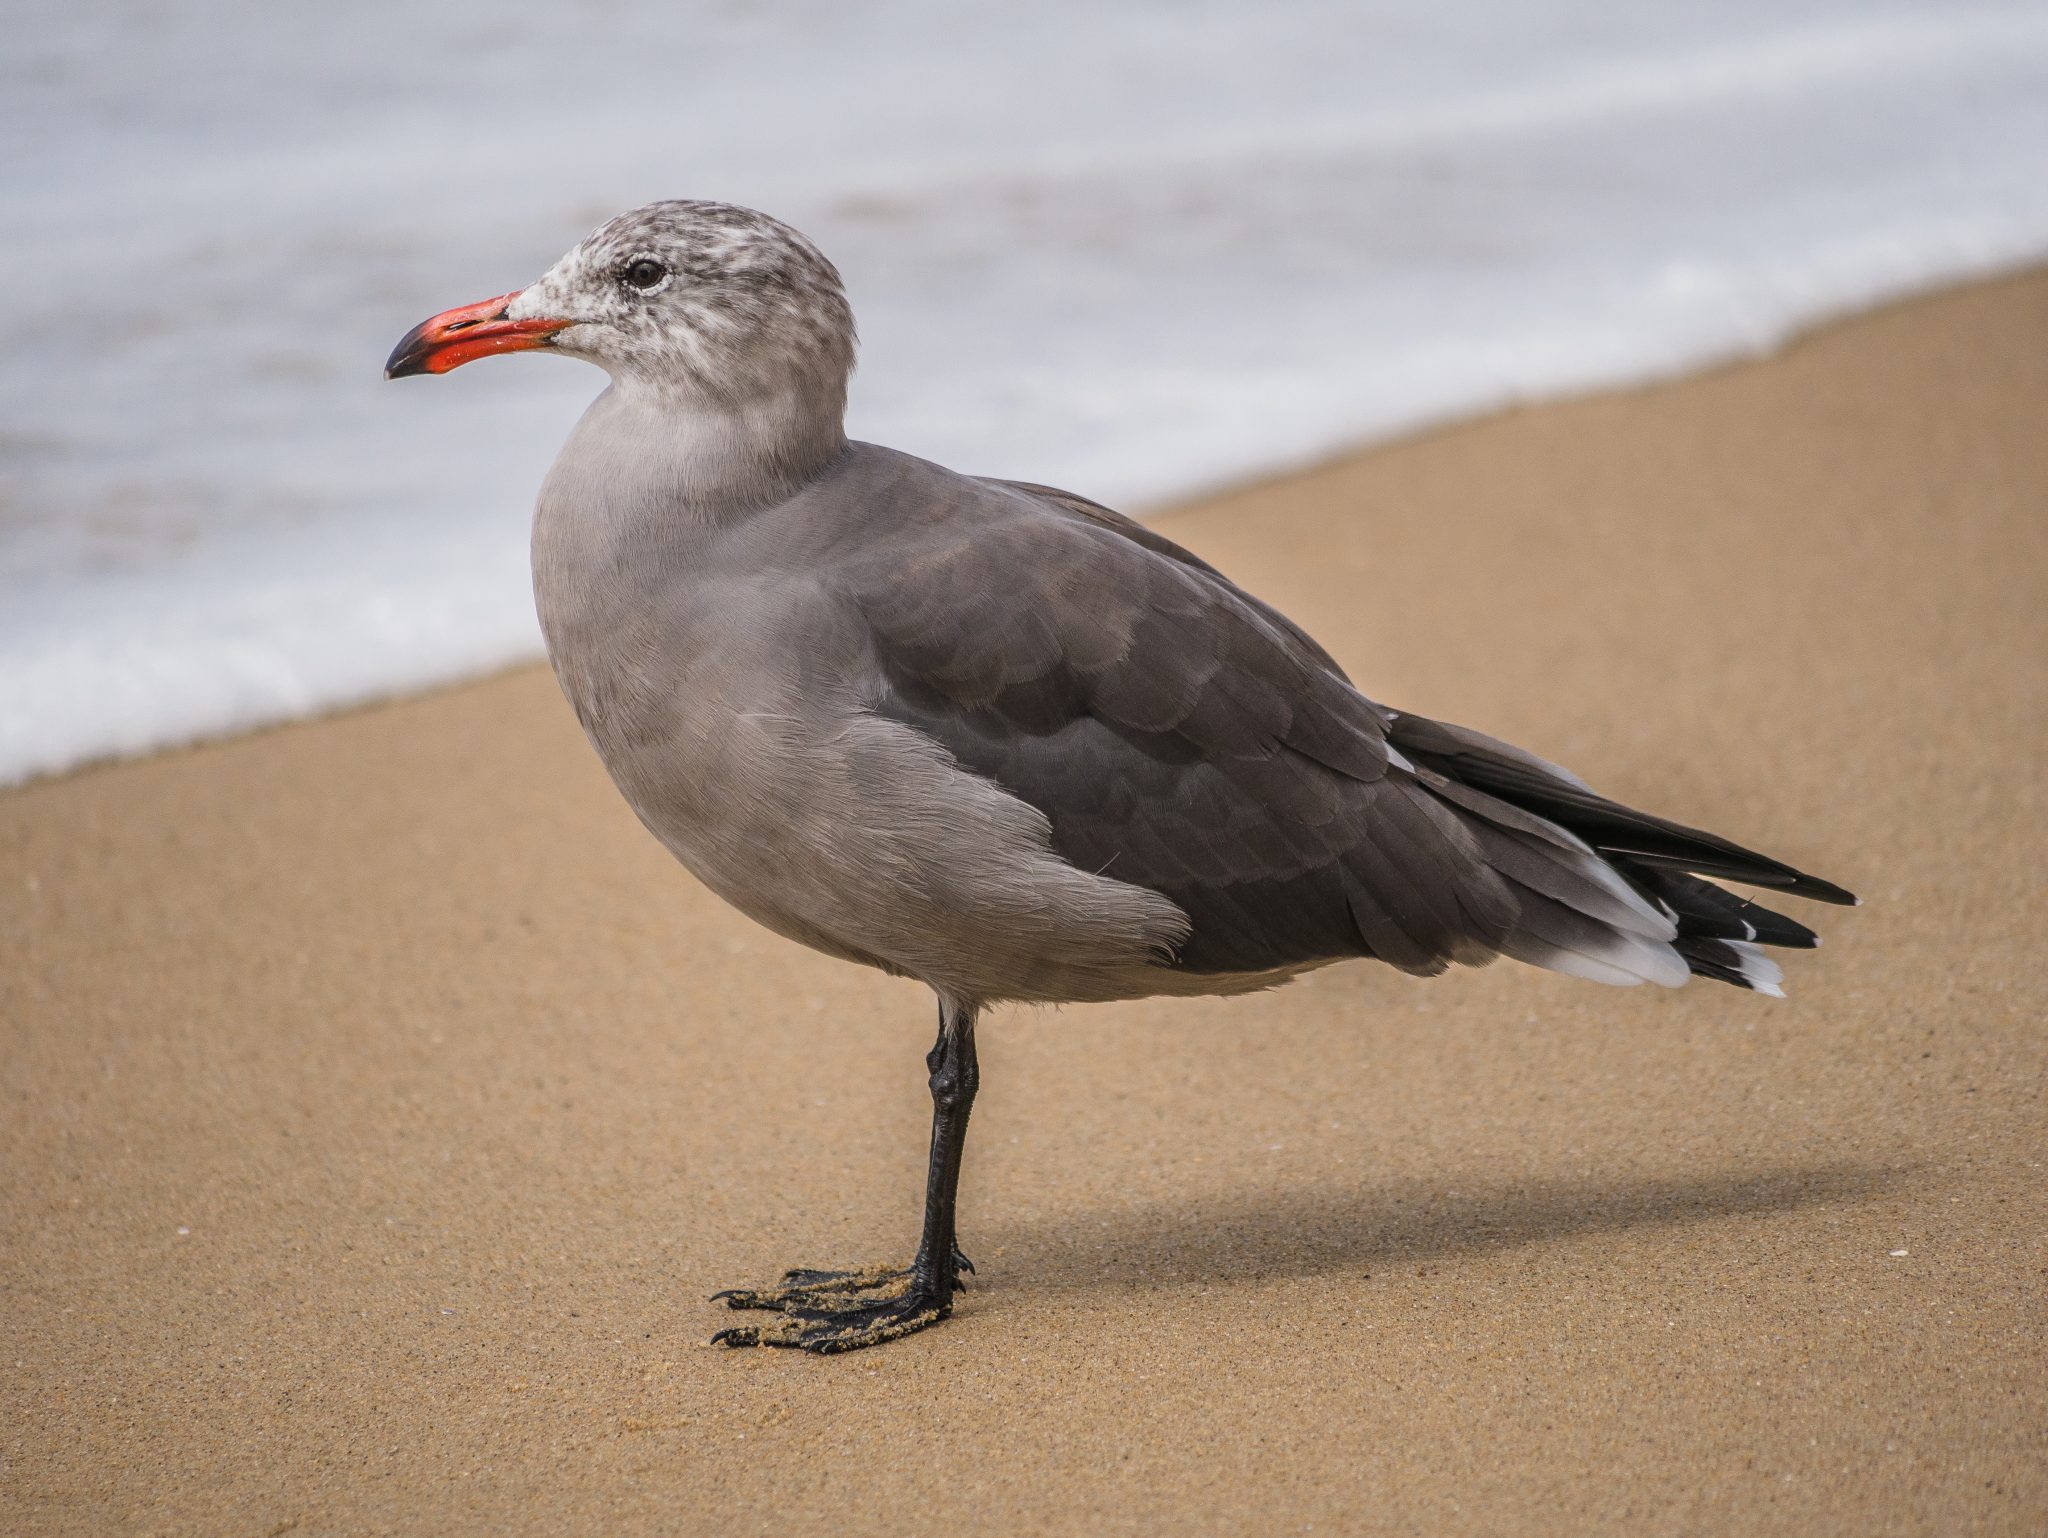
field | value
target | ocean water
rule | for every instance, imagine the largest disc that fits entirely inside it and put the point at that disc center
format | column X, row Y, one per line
column 1137, row 250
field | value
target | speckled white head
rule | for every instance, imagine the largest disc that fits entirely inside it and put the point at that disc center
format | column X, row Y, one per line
column 704, row 297
column 700, row 300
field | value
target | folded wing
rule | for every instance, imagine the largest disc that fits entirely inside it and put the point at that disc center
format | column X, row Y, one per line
column 1179, row 735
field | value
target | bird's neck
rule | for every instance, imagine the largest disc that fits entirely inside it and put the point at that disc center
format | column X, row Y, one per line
column 674, row 455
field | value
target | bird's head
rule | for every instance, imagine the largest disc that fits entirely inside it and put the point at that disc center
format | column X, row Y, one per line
column 704, row 300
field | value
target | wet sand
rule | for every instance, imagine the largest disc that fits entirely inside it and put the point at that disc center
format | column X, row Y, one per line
column 381, row 1102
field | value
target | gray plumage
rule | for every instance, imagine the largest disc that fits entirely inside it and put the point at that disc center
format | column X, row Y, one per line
column 997, row 737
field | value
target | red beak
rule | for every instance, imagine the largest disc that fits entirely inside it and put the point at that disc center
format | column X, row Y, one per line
column 454, row 337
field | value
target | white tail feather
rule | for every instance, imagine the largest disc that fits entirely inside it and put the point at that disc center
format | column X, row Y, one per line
column 1757, row 969
column 1622, row 961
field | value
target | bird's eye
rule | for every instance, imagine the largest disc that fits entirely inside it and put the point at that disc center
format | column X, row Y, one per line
column 644, row 273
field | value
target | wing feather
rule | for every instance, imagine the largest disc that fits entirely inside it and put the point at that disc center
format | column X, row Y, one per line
column 1176, row 734
column 1180, row 735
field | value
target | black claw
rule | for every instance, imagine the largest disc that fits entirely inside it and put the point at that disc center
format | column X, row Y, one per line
column 747, row 1297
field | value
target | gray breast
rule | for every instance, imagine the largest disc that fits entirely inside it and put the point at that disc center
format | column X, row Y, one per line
column 726, row 679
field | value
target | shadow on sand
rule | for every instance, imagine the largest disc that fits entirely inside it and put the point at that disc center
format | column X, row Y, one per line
column 1253, row 1235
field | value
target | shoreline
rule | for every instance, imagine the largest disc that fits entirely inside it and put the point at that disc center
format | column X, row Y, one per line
column 495, row 643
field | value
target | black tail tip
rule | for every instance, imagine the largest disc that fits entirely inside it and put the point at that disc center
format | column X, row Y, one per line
column 1824, row 892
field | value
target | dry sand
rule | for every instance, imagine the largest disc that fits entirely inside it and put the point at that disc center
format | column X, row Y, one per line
column 381, row 1103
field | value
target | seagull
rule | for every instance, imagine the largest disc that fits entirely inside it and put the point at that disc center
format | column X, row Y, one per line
column 996, row 737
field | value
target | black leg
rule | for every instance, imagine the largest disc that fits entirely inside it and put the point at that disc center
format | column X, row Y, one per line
column 827, row 1311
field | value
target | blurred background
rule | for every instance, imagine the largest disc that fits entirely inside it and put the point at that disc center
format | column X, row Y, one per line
column 1140, row 251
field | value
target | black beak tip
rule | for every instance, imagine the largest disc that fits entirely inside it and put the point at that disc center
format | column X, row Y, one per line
column 409, row 357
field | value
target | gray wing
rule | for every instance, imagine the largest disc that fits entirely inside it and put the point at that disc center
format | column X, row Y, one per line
column 1151, row 539
column 1175, row 733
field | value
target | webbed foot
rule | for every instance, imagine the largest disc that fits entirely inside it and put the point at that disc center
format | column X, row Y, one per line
column 831, row 1311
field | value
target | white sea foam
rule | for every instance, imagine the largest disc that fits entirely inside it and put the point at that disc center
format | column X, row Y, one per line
column 1138, row 251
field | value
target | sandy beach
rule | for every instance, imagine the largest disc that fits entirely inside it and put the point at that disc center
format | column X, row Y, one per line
column 382, row 1103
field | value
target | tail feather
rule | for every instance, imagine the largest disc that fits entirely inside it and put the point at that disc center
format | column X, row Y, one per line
column 1733, row 961
column 1609, row 892
column 1524, row 780
column 1703, row 910
column 1571, row 874
column 1559, row 937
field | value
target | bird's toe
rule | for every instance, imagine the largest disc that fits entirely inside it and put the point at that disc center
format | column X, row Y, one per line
column 825, row 1312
